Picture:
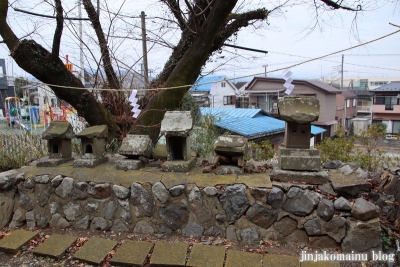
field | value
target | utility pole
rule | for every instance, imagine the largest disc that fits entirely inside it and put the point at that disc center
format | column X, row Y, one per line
column 144, row 45
column 265, row 70
column 82, row 71
column 98, row 8
column 341, row 86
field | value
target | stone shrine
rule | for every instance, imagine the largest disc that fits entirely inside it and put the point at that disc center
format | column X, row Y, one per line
column 58, row 136
column 298, row 112
column 136, row 148
column 176, row 127
column 230, row 150
column 93, row 146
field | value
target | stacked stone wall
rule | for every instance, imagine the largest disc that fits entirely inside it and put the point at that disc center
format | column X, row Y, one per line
column 287, row 213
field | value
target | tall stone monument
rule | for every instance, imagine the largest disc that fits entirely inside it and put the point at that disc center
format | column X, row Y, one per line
column 298, row 112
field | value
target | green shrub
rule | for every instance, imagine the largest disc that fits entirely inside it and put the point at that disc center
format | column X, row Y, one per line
column 261, row 151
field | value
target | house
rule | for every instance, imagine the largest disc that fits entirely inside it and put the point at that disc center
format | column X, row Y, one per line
column 242, row 100
column 254, row 124
column 214, row 91
column 264, row 92
column 38, row 94
column 386, row 106
column 346, row 108
column 6, row 90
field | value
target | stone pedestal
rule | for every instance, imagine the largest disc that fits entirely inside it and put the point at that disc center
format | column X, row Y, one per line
column 299, row 159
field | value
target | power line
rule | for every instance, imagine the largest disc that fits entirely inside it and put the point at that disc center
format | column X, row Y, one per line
column 246, row 76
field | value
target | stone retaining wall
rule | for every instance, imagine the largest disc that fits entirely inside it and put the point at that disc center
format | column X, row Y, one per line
column 286, row 213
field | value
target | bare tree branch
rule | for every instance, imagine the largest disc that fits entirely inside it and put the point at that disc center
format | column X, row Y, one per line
column 335, row 5
column 9, row 38
column 59, row 29
column 108, row 68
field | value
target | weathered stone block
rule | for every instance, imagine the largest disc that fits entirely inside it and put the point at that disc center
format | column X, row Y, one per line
column 299, row 159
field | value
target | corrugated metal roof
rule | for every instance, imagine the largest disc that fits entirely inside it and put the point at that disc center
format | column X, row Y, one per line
column 225, row 113
column 209, row 80
column 317, row 130
column 391, row 87
column 249, row 122
column 249, row 127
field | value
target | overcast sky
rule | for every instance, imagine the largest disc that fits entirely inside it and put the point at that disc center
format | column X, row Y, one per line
column 285, row 38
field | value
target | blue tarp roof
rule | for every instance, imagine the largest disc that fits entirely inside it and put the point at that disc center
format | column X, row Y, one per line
column 249, row 122
column 209, row 80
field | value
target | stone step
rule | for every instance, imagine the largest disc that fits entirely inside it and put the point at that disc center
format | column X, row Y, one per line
column 281, row 260
column 168, row 255
column 16, row 240
column 206, row 256
column 131, row 253
column 244, row 259
column 95, row 250
column 55, row 246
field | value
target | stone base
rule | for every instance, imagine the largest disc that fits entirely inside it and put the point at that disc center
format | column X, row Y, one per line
column 47, row 162
column 280, row 175
column 128, row 164
column 299, row 159
column 178, row 165
column 89, row 163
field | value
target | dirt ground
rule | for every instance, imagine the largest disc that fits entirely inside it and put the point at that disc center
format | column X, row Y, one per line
column 25, row 258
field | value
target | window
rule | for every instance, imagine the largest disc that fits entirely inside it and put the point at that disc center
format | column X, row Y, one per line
column 223, row 84
column 354, row 102
column 347, row 103
column 229, row 100
column 388, row 101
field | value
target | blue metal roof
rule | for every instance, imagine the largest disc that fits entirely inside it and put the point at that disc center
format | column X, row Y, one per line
column 249, row 122
column 249, row 127
column 209, row 80
column 225, row 113
column 317, row 130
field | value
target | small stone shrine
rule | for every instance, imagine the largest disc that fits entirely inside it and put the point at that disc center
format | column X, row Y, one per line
column 230, row 150
column 298, row 112
column 137, row 149
column 93, row 146
column 176, row 126
column 58, row 136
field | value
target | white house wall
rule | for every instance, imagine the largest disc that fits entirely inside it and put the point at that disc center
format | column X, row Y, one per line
column 217, row 100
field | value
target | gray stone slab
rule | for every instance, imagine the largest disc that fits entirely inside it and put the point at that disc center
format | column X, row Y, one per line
column 178, row 165
column 128, row 164
column 95, row 250
column 131, row 253
column 320, row 177
column 280, row 260
column 243, row 259
column 89, row 163
column 55, row 246
column 168, row 255
column 177, row 123
column 206, row 256
column 46, row 162
column 349, row 184
column 14, row 241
